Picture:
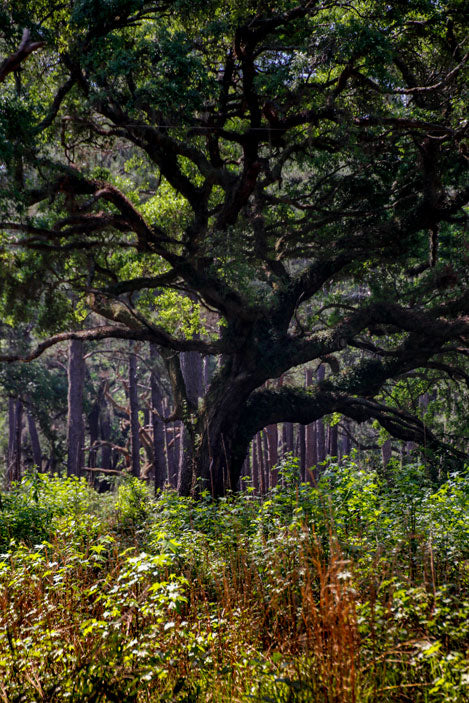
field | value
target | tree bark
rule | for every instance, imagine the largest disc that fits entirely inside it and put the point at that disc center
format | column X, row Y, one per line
column 302, row 452
column 333, row 442
column 193, row 376
column 386, row 452
column 75, row 428
column 15, row 415
column 287, row 436
column 105, row 433
column 34, row 437
column 134, row 423
column 311, row 458
column 93, row 425
column 272, row 439
column 320, row 430
column 346, row 444
column 160, row 468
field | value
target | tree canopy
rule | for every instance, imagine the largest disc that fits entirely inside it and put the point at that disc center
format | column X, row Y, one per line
column 275, row 183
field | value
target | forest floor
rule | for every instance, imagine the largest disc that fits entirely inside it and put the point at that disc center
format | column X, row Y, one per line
column 355, row 590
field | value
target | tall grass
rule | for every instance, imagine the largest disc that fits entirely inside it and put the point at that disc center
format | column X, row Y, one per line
column 354, row 591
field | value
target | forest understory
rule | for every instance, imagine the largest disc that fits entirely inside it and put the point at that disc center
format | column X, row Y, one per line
column 352, row 590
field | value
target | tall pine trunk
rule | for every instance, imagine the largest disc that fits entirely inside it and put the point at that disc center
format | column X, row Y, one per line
column 134, row 423
column 320, row 429
column 15, row 418
column 75, row 427
column 34, row 437
column 159, row 468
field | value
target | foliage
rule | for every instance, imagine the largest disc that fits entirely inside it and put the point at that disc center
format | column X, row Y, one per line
column 274, row 184
column 354, row 589
column 29, row 510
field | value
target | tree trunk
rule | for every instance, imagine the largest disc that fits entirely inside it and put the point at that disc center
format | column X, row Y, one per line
column 346, row 443
column 311, row 458
column 173, row 433
column 272, row 439
column 34, row 437
column 287, row 436
column 193, row 375
column 134, row 424
column 386, row 451
column 260, row 454
column 11, row 432
column 255, row 466
column 105, row 432
column 265, row 449
column 302, row 452
column 333, row 442
column 76, row 428
column 160, row 469
column 320, row 433
column 93, row 425
column 14, row 440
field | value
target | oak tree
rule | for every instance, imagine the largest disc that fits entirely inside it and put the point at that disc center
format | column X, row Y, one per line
column 293, row 171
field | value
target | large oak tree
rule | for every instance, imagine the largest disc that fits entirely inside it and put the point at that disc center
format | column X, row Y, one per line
column 294, row 170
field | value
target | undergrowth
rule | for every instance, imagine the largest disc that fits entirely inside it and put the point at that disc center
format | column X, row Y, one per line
column 352, row 591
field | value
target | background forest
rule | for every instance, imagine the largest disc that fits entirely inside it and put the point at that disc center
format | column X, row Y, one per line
column 234, row 351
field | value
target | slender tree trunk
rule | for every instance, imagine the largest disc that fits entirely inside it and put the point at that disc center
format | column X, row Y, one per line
column 93, row 425
column 160, row 469
column 185, row 467
column 346, row 443
column 386, row 451
column 34, row 437
column 134, row 423
column 302, row 452
column 105, row 433
column 255, row 465
column 193, row 375
column 311, row 458
column 267, row 465
column 11, row 432
column 320, row 430
column 260, row 454
column 15, row 441
column 333, row 442
column 174, row 452
column 287, row 435
column 76, row 428
column 272, row 439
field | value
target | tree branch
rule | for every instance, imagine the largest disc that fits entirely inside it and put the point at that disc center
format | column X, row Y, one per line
column 14, row 61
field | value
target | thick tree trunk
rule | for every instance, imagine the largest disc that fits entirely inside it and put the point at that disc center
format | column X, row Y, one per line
column 75, row 429
column 134, row 424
